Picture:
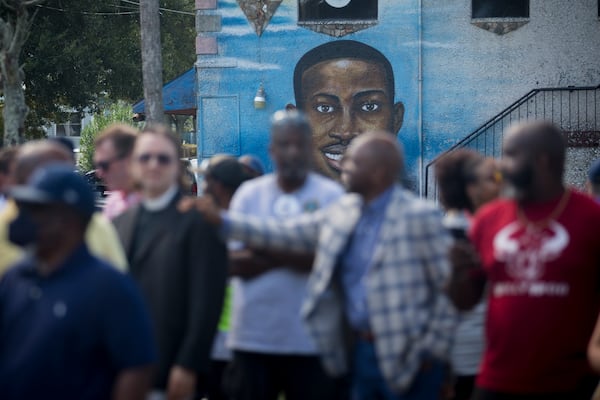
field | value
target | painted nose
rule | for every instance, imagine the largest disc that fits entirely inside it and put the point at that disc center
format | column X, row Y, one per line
column 346, row 131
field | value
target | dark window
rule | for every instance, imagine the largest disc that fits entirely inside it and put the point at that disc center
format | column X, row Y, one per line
column 337, row 10
column 500, row 8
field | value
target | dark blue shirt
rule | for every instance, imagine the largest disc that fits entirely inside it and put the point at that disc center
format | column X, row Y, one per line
column 69, row 334
column 357, row 259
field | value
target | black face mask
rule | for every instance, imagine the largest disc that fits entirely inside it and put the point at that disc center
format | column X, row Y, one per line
column 22, row 231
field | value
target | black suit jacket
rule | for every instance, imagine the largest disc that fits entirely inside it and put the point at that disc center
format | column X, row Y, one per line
column 181, row 268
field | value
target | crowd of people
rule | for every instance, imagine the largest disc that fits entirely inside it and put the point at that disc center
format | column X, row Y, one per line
column 291, row 285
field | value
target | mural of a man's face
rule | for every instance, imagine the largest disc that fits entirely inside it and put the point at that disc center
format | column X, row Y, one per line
column 343, row 98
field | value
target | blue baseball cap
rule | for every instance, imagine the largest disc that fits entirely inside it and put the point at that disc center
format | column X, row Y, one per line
column 594, row 172
column 57, row 184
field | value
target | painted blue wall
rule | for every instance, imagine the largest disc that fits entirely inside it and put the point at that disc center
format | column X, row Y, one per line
column 250, row 60
column 468, row 74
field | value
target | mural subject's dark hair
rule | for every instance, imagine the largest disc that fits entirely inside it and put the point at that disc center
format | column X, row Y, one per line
column 340, row 49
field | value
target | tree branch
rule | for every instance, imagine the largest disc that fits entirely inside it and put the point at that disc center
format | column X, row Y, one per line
column 21, row 31
column 7, row 5
column 5, row 36
column 31, row 3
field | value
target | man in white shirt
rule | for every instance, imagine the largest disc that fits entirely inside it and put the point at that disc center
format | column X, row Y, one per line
column 273, row 351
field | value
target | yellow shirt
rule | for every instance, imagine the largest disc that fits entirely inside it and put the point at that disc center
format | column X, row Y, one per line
column 101, row 238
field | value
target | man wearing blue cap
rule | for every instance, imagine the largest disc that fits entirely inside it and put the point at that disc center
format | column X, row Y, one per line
column 593, row 182
column 72, row 327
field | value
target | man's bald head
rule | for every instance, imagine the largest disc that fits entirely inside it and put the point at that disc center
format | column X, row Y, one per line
column 381, row 149
column 533, row 160
column 33, row 155
column 372, row 164
column 540, row 138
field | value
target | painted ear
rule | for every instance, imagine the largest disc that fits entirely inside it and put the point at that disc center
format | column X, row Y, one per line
column 290, row 107
column 398, row 117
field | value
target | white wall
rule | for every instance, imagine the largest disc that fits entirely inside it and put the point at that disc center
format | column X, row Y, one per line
column 470, row 74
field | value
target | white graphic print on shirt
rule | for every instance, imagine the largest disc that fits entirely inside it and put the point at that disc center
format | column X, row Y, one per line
column 525, row 252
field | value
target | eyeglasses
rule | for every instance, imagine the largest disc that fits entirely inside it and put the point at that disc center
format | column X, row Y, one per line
column 162, row 158
column 105, row 165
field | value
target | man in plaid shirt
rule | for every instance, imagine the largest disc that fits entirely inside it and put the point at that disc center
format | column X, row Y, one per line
column 376, row 292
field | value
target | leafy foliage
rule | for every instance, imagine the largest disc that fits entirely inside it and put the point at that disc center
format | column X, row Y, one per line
column 82, row 51
column 119, row 112
column 16, row 17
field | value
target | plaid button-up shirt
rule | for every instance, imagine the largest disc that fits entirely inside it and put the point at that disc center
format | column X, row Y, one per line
column 409, row 313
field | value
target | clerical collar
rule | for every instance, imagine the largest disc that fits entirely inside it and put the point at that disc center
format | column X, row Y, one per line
column 161, row 202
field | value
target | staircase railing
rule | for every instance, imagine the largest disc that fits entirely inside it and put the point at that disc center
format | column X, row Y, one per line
column 576, row 110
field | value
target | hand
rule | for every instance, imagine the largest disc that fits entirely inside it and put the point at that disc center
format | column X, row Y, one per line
column 186, row 203
column 248, row 264
column 467, row 281
column 206, row 205
column 464, row 257
column 182, row 384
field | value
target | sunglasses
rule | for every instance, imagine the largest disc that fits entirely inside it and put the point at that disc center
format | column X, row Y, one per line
column 161, row 158
column 105, row 165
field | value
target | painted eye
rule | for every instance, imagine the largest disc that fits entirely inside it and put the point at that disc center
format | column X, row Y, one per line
column 369, row 107
column 324, row 108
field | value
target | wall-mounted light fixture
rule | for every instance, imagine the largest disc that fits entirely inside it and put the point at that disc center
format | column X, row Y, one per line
column 260, row 99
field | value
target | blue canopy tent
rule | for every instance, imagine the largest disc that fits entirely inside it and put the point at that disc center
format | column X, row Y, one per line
column 179, row 96
column 179, row 103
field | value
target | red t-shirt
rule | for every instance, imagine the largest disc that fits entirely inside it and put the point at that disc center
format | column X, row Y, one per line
column 544, row 294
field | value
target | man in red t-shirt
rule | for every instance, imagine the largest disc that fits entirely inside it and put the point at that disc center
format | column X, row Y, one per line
column 539, row 253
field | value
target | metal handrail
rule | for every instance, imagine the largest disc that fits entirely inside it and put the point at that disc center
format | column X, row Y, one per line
column 500, row 117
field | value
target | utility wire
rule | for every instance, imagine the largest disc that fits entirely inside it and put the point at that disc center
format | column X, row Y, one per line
column 124, row 7
column 88, row 12
column 115, row 13
column 161, row 9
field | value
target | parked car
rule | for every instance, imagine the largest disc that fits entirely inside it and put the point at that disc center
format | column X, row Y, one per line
column 96, row 183
column 98, row 187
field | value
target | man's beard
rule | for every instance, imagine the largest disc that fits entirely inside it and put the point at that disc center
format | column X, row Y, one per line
column 521, row 182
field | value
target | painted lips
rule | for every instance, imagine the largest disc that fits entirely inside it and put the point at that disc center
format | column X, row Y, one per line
column 333, row 155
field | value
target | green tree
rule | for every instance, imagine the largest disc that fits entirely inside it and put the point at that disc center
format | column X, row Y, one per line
column 119, row 112
column 81, row 51
column 16, row 17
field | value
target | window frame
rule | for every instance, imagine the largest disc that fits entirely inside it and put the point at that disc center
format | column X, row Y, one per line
column 501, row 18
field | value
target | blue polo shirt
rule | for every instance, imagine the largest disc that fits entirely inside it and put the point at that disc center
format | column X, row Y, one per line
column 68, row 335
